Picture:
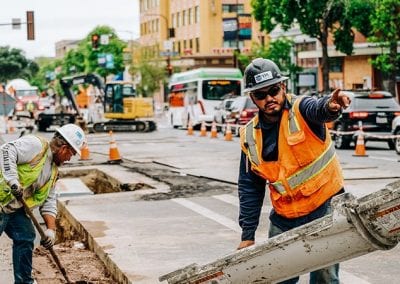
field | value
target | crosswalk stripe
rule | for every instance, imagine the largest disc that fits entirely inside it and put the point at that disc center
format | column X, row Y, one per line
column 208, row 214
column 233, row 200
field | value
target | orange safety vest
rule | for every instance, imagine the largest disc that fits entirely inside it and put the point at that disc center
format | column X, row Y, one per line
column 307, row 172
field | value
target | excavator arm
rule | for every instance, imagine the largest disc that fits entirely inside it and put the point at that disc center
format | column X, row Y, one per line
column 68, row 82
column 46, row 120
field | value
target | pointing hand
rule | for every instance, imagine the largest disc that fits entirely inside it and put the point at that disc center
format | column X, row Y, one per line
column 338, row 101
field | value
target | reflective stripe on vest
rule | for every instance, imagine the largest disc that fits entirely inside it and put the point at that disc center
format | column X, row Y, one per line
column 308, row 172
column 251, row 144
column 40, row 195
column 293, row 123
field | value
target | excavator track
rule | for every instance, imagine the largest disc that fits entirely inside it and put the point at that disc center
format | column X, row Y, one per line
column 125, row 126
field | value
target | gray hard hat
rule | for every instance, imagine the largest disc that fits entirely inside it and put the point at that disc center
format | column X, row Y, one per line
column 261, row 73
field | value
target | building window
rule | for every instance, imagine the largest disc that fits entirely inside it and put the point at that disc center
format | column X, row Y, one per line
column 197, row 45
column 232, row 8
column 307, row 62
column 183, row 17
column 178, row 19
column 196, row 14
column 306, row 46
column 233, row 43
column 179, row 47
column 184, row 44
column 190, row 20
column 336, row 64
column 191, row 43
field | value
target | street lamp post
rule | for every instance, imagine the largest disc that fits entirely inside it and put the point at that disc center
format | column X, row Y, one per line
column 130, row 48
column 168, row 60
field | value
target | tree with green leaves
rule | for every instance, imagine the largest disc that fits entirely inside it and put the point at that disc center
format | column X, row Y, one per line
column 278, row 51
column 94, row 56
column 73, row 63
column 385, row 22
column 14, row 64
column 47, row 75
column 318, row 19
column 151, row 75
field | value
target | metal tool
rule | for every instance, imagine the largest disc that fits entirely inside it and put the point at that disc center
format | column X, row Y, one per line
column 43, row 236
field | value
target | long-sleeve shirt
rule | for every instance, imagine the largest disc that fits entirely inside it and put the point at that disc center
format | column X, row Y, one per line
column 22, row 151
column 252, row 187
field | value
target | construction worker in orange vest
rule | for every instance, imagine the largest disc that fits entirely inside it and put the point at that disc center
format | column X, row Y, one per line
column 287, row 149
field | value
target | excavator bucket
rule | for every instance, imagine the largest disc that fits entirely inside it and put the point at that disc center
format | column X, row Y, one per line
column 354, row 228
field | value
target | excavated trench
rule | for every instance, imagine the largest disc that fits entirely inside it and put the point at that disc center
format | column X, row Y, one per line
column 81, row 257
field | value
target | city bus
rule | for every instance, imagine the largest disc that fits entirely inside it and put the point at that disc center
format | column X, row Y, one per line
column 194, row 95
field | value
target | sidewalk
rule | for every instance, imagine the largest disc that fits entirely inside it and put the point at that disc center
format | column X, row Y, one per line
column 6, row 273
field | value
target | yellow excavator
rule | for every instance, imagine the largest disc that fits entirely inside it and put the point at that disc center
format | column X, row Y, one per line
column 122, row 110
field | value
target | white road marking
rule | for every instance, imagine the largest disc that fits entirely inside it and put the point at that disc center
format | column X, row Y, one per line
column 234, row 200
column 209, row 214
column 384, row 159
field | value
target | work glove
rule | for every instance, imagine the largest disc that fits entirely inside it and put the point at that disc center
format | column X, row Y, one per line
column 16, row 191
column 48, row 241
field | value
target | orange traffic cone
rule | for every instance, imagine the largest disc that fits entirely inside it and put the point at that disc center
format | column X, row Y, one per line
column 203, row 129
column 190, row 128
column 214, row 132
column 114, row 157
column 228, row 132
column 360, row 146
column 85, row 153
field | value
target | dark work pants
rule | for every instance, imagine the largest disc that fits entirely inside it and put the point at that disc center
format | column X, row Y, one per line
column 19, row 228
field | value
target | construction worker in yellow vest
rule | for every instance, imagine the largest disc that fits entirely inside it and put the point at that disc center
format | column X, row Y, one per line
column 29, row 169
column 287, row 150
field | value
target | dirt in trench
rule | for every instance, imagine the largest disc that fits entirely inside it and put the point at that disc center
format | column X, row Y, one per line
column 80, row 264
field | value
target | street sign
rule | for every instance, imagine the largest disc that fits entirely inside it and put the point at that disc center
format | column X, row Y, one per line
column 168, row 44
column 168, row 53
column 16, row 23
column 104, row 39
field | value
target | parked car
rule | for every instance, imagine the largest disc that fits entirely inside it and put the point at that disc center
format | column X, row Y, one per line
column 241, row 112
column 373, row 111
column 396, row 131
column 222, row 110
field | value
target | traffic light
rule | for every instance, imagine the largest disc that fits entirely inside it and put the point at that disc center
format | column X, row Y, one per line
column 95, row 41
column 30, row 25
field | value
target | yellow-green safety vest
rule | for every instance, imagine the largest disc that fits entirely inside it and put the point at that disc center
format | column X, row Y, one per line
column 27, row 174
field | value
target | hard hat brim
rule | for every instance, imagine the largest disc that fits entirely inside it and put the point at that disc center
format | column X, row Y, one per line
column 266, row 84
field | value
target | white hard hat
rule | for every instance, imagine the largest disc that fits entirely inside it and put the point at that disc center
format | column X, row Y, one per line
column 74, row 135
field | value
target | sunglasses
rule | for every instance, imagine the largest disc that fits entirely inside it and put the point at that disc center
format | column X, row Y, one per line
column 273, row 91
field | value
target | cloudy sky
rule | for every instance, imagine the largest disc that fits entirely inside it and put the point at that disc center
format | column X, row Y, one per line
column 57, row 20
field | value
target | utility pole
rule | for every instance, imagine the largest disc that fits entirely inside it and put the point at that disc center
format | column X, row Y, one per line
column 170, row 33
